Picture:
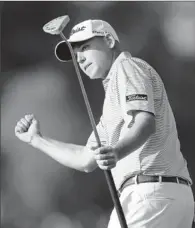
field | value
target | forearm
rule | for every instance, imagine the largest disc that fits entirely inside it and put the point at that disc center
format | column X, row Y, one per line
column 69, row 155
column 129, row 143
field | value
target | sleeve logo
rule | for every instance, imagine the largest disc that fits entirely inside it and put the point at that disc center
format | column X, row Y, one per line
column 136, row 97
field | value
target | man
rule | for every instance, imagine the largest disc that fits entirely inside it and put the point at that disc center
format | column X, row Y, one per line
column 137, row 130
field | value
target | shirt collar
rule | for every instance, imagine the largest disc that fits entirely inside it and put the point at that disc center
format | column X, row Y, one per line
column 122, row 56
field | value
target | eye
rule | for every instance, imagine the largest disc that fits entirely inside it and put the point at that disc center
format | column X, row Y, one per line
column 85, row 47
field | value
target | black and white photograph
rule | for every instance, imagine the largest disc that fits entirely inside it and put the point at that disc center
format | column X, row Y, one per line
column 97, row 114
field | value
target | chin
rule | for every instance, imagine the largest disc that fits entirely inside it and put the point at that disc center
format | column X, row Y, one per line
column 95, row 74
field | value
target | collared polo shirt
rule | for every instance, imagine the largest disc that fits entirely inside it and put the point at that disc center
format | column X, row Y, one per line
column 132, row 84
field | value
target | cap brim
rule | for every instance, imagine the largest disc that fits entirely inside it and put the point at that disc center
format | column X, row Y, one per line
column 62, row 52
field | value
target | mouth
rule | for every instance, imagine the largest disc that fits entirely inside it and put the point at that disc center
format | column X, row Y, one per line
column 87, row 66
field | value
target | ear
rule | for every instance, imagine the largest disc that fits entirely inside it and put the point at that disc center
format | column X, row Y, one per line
column 110, row 40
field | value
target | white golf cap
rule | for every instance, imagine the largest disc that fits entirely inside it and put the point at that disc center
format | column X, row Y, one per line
column 81, row 32
column 90, row 28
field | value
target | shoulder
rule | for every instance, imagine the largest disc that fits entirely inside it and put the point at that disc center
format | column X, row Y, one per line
column 141, row 62
column 127, row 61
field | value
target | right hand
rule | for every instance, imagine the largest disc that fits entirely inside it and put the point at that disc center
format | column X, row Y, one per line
column 27, row 128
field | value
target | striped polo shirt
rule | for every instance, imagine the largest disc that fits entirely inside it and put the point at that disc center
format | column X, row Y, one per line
column 132, row 84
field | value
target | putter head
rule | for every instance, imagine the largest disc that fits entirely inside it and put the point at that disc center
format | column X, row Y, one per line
column 57, row 25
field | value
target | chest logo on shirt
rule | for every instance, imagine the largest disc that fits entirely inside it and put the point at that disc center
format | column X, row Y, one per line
column 136, row 97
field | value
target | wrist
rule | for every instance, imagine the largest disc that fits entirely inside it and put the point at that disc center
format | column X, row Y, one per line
column 117, row 152
column 35, row 140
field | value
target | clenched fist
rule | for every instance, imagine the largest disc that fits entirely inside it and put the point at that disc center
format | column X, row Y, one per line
column 27, row 128
column 106, row 157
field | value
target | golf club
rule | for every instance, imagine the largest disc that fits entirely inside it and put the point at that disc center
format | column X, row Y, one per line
column 55, row 27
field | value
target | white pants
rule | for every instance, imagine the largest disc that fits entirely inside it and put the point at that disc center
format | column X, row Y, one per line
column 156, row 205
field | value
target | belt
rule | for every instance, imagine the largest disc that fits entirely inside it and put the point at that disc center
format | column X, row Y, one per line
column 138, row 179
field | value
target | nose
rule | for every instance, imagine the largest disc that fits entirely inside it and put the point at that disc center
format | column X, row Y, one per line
column 80, row 58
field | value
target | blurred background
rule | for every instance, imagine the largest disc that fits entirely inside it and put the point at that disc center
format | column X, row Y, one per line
column 36, row 191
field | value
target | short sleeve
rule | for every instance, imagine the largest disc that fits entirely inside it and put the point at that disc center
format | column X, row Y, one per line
column 135, row 87
column 91, row 142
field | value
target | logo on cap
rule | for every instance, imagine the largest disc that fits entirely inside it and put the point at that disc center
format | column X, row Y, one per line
column 97, row 32
column 78, row 29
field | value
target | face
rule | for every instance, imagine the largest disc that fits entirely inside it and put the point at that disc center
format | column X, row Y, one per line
column 94, row 57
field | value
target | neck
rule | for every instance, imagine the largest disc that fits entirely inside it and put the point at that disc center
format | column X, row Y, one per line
column 115, row 54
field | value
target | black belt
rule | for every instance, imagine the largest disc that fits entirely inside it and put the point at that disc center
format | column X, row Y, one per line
column 145, row 178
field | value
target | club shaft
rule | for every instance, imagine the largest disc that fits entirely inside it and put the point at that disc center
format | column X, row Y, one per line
column 108, row 174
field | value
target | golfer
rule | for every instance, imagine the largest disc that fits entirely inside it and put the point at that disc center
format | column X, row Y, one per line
column 137, row 131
